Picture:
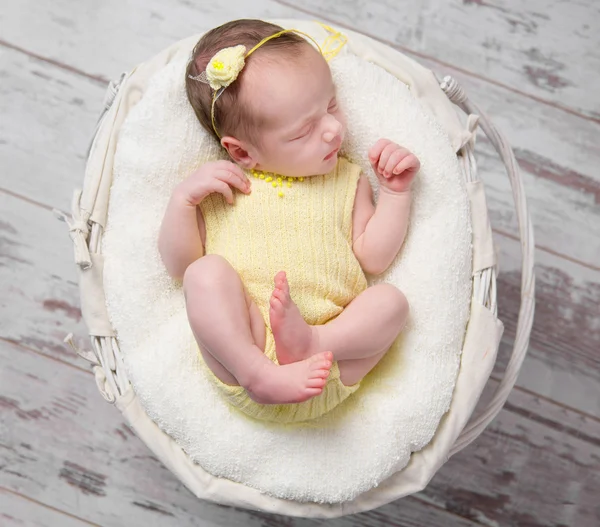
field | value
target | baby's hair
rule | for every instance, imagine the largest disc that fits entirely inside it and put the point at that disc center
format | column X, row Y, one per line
column 233, row 116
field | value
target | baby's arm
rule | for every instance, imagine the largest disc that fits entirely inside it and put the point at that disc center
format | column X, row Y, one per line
column 182, row 233
column 378, row 233
column 181, row 238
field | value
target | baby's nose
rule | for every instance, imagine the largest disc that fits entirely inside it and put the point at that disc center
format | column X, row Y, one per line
column 333, row 129
column 329, row 136
column 332, row 132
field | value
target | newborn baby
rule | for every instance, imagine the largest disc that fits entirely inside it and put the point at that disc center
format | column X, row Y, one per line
column 273, row 245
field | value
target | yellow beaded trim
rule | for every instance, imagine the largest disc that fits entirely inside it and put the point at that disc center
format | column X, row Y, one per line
column 275, row 179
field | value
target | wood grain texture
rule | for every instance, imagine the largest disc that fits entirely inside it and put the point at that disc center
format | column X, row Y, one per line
column 563, row 360
column 40, row 296
column 103, row 39
column 537, row 464
column 19, row 511
column 546, row 49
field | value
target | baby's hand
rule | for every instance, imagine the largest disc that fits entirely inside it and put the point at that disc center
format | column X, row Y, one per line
column 216, row 176
column 394, row 166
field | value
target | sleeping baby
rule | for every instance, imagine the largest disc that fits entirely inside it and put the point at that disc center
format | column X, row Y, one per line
column 273, row 244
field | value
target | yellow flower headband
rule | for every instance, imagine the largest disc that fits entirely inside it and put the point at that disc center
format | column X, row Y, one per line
column 225, row 65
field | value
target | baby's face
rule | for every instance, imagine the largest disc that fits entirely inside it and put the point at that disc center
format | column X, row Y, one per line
column 303, row 123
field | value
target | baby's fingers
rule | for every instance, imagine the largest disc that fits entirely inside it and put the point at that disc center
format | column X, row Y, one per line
column 376, row 150
column 387, row 153
column 225, row 189
column 410, row 161
column 235, row 177
column 392, row 161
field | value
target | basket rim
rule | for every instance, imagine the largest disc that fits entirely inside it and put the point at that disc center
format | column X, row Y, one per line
column 108, row 363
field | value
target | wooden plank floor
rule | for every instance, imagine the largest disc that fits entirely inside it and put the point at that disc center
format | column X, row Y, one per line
column 67, row 458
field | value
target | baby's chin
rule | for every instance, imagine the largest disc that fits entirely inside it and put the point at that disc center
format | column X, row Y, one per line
column 323, row 167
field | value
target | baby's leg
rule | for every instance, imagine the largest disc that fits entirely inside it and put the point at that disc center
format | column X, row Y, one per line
column 353, row 370
column 365, row 328
column 220, row 319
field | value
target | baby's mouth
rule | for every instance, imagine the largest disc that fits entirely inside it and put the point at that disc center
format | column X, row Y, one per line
column 331, row 154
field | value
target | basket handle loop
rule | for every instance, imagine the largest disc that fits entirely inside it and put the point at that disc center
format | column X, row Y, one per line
column 473, row 429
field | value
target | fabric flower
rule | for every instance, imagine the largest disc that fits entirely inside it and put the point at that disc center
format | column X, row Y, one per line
column 225, row 66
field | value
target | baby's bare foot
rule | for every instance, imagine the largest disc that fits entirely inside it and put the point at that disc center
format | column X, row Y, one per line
column 293, row 383
column 294, row 338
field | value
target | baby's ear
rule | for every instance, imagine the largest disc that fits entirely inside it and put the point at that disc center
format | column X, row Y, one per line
column 237, row 151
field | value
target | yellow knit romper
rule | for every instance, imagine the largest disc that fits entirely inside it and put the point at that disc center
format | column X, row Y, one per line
column 307, row 233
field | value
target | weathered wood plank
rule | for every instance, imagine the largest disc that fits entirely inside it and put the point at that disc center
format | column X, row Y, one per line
column 19, row 511
column 548, row 50
column 563, row 360
column 48, row 117
column 64, row 446
column 60, row 107
column 40, row 296
column 537, row 464
column 102, row 40
column 111, row 475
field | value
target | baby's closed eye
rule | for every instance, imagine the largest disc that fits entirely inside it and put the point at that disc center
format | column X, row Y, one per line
column 304, row 133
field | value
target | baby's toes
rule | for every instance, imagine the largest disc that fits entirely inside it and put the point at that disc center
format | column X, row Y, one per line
column 285, row 286
column 276, row 305
column 320, row 365
column 279, row 278
column 316, row 382
column 279, row 294
column 324, row 373
column 312, row 392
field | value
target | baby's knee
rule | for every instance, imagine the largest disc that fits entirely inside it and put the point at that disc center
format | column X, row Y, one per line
column 205, row 272
column 395, row 301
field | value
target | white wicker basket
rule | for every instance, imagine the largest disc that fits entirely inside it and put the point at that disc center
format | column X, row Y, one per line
column 86, row 228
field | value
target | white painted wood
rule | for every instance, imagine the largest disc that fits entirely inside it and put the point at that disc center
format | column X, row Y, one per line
column 537, row 464
column 548, row 49
column 19, row 511
column 40, row 297
column 562, row 362
column 104, row 38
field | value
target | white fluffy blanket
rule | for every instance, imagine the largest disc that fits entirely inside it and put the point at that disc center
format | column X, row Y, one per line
column 399, row 407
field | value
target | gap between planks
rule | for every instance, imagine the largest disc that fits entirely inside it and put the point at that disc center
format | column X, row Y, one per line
column 56, row 63
column 46, row 506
